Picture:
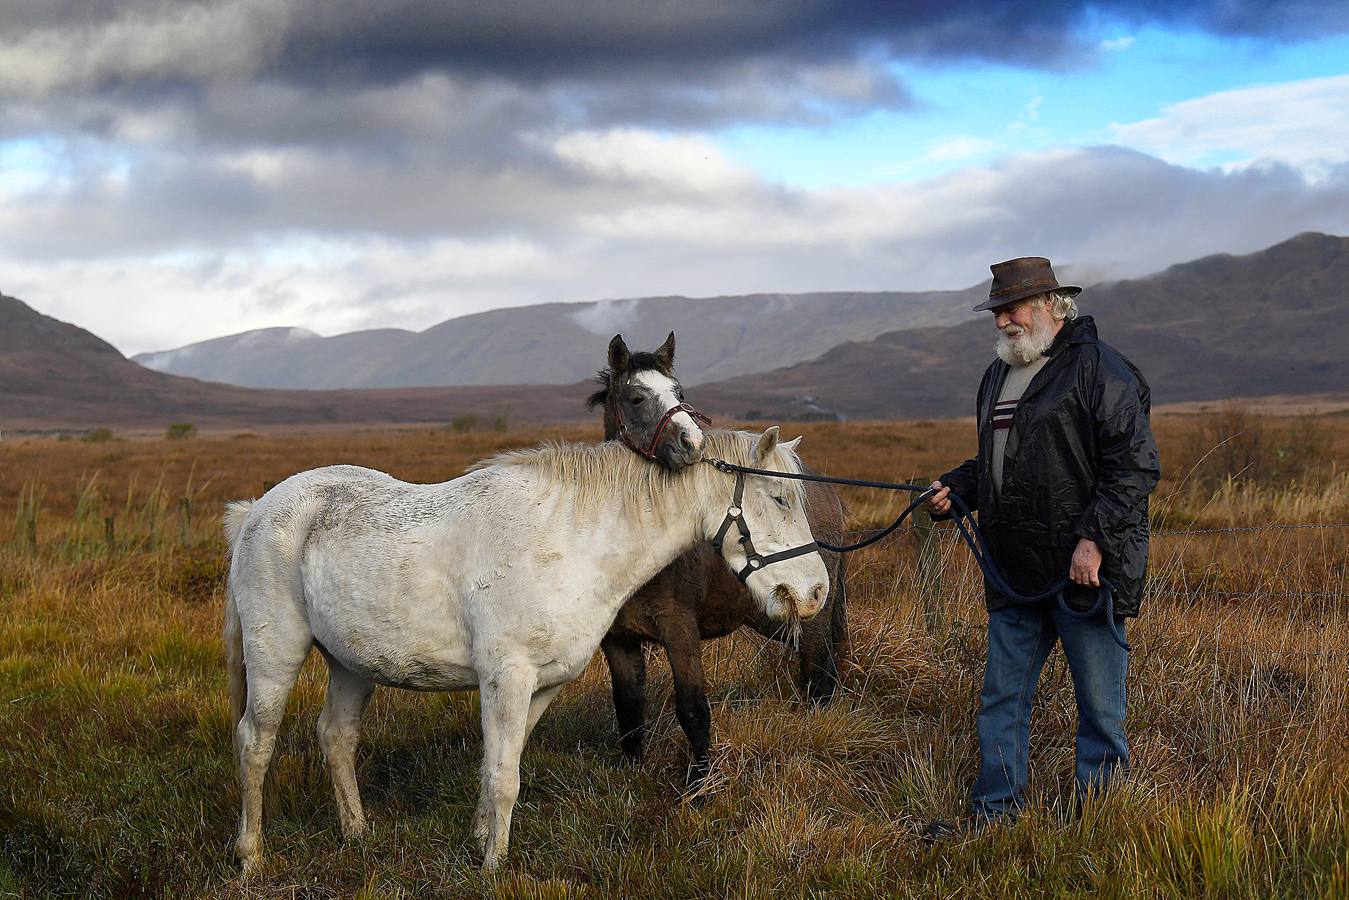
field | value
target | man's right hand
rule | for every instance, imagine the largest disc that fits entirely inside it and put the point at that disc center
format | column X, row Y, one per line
column 939, row 502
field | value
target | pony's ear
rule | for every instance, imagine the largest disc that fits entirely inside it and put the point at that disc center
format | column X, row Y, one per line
column 793, row 443
column 618, row 356
column 768, row 442
column 665, row 355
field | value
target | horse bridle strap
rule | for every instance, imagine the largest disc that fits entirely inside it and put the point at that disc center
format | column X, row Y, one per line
column 754, row 561
column 649, row 451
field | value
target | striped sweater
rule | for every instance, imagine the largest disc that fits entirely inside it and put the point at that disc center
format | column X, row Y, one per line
column 1018, row 379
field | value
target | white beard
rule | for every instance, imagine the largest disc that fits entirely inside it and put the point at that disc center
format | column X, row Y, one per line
column 1019, row 346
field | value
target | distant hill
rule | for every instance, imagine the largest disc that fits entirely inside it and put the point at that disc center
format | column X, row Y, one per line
column 1269, row 323
column 1272, row 322
column 57, row 375
column 719, row 337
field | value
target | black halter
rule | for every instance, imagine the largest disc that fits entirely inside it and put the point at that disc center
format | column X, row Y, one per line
column 753, row 560
column 649, row 451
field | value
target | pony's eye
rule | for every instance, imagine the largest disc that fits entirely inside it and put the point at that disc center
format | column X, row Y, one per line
column 782, row 501
column 638, row 400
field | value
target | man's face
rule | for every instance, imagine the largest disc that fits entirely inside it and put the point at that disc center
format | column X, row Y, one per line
column 1026, row 330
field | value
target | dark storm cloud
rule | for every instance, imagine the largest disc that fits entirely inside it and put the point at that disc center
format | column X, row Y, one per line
column 179, row 125
column 596, row 62
column 542, row 40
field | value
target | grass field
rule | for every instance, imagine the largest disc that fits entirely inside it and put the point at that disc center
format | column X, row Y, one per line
column 115, row 770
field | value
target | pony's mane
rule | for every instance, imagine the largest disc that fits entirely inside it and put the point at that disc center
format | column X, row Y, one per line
column 641, row 361
column 602, row 474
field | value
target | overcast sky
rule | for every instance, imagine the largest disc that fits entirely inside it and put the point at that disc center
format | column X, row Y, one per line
column 174, row 171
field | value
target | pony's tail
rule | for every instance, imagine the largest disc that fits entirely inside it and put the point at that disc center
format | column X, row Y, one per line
column 235, row 514
column 234, row 660
column 236, row 669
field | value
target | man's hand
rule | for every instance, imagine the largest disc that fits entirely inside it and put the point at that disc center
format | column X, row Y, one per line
column 940, row 502
column 1086, row 566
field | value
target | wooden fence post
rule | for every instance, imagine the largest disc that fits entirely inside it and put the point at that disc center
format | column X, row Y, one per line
column 185, row 521
column 927, row 562
column 109, row 534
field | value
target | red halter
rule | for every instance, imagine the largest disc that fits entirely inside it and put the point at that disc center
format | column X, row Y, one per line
column 650, row 450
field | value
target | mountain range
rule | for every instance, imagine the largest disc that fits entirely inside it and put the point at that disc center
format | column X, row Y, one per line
column 1272, row 322
column 54, row 375
column 719, row 338
column 1263, row 324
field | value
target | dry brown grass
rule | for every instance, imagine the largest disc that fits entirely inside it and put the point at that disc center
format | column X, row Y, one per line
column 117, row 779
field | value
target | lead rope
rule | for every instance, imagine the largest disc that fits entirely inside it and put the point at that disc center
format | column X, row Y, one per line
column 965, row 525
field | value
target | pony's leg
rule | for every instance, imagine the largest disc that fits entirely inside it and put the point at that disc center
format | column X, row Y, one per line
column 537, row 704
column 339, row 728
column 506, row 697
column 824, row 639
column 683, row 646
column 818, row 666
column 627, row 672
column 272, row 671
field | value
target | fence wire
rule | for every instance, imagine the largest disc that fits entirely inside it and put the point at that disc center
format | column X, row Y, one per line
column 947, row 533
column 1249, row 595
column 1251, row 528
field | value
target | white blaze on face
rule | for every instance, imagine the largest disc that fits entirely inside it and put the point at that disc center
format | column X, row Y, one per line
column 662, row 387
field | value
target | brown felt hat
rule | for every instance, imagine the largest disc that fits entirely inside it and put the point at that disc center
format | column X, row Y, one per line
column 1020, row 278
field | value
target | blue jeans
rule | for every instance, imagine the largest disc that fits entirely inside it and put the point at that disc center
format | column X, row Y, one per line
column 1019, row 641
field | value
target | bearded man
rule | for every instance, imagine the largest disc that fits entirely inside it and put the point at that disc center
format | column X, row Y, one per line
column 1065, row 465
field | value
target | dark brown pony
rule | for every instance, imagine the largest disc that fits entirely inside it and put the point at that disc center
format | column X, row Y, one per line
column 697, row 597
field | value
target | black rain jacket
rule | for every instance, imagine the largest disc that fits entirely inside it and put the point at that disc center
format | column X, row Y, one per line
column 1080, row 462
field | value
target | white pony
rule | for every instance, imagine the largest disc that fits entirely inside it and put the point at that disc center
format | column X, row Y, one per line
column 504, row 579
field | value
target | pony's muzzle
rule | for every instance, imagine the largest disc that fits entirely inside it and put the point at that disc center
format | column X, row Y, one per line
column 815, row 602
column 691, row 445
column 682, row 448
column 794, row 606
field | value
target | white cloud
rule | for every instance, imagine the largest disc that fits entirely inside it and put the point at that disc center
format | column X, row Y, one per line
column 1115, row 211
column 328, row 286
column 959, row 148
column 1117, row 45
column 689, row 162
column 1302, row 123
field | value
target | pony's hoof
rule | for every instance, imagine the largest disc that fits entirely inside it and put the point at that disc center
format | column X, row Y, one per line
column 480, row 837
column 351, row 822
column 248, row 866
column 701, row 783
column 248, row 854
column 820, row 692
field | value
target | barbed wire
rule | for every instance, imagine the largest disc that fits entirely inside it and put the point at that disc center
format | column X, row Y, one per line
column 1250, row 528
column 947, row 533
column 1247, row 595
column 1265, row 651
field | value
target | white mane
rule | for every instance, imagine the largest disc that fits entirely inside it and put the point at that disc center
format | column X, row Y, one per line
column 610, row 472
